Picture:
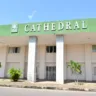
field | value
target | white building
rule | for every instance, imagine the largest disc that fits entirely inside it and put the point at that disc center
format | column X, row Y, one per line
column 43, row 50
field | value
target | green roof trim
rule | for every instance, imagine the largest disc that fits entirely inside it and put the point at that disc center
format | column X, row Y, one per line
column 53, row 27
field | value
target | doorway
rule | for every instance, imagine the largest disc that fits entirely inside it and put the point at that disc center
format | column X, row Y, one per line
column 51, row 73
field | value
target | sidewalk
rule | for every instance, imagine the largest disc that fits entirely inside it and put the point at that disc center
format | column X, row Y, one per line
column 49, row 85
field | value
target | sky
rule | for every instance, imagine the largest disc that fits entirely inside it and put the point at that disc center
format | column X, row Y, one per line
column 24, row 11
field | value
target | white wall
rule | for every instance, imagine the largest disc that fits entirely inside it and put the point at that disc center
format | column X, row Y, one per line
column 94, row 71
column 88, row 62
column 93, row 54
column 50, row 57
column 42, row 66
column 10, row 65
column 7, row 59
column 3, row 55
column 15, row 60
column 93, row 66
column 76, row 53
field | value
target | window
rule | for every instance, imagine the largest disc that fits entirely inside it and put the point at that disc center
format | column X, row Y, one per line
column 14, row 50
column 51, row 49
column 55, row 49
column 93, row 48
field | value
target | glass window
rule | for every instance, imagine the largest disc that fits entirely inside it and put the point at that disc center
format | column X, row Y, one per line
column 55, row 49
column 47, row 49
column 51, row 49
column 14, row 50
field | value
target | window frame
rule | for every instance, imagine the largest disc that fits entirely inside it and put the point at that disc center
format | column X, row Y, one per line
column 14, row 50
column 50, row 49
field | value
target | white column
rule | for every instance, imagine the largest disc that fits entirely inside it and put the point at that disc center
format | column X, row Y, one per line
column 42, row 62
column 3, row 61
column 88, row 51
column 22, row 60
column 60, row 59
column 31, row 73
column 65, row 65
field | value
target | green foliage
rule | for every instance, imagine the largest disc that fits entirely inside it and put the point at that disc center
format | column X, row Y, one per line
column 75, row 67
column 0, row 65
column 14, row 74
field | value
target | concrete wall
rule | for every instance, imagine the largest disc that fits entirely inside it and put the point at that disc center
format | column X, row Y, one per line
column 88, row 61
column 93, row 66
column 76, row 52
column 3, row 56
column 15, row 60
column 10, row 65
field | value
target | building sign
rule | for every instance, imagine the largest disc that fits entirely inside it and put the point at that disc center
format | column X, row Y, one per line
column 58, row 26
column 49, row 28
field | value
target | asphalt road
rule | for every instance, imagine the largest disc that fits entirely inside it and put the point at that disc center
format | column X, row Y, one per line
column 34, row 92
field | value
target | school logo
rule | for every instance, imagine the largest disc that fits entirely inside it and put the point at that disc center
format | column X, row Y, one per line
column 14, row 28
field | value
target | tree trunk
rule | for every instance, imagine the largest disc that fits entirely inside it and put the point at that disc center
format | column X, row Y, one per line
column 77, row 78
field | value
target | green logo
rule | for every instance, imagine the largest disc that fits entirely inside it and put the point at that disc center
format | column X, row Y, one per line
column 14, row 28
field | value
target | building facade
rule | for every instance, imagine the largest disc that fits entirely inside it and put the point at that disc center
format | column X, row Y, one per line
column 43, row 50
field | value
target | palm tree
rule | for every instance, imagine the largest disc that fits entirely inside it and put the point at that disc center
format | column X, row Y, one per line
column 76, row 68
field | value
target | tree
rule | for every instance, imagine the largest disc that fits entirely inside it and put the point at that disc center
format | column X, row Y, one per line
column 75, row 68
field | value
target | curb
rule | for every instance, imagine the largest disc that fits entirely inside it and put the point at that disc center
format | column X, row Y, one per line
column 50, row 88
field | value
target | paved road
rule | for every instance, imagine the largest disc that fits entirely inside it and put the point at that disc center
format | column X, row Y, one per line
column 33, row 92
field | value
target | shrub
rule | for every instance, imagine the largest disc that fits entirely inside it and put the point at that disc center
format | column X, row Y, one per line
column 76, row 68
column 0, row 65
column 15, row 74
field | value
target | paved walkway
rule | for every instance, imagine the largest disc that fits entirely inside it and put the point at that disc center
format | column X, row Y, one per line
column 48, row 85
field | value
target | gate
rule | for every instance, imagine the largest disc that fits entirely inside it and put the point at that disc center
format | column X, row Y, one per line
column 51, row 73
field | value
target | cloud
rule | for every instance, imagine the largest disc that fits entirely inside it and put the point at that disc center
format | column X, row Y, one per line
column 31, row 16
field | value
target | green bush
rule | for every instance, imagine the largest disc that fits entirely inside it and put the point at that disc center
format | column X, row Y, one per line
column 0, row 65
column 15, row 74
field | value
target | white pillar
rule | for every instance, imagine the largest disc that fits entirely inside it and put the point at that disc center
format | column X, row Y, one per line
column 42, row 66
column 22, row 60
column 3, row 61
column 31, row 73
column 65, row 63
column 88, row 51
column 60, row 59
